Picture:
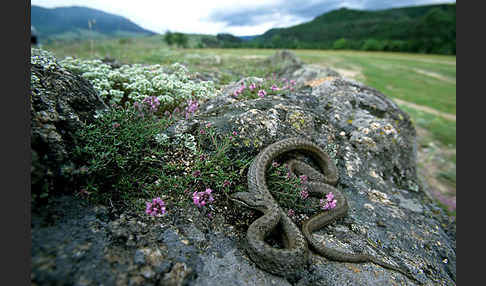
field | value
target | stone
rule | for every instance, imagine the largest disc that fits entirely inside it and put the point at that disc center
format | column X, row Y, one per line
column 61, row 102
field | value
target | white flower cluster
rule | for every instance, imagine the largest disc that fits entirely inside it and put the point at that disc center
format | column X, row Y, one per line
column 43, row 58
column 172, row 85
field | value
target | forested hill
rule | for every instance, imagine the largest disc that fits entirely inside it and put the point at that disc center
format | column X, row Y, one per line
column 428, row 29
column 71, row 22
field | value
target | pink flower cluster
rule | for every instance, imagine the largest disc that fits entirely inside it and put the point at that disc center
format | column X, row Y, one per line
column 156, row 207
column 291, row 213
column 152, row 102
column 239, row 90
column 262, row 93
column 234, row 133
column 304, row 194
column 329, row 202
column 200, row 199
column 192, row 106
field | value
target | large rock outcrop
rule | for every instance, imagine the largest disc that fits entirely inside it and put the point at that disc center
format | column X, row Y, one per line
column 373, row 144
column 61, row 102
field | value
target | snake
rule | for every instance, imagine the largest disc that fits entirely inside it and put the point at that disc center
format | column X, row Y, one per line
column 295, row 255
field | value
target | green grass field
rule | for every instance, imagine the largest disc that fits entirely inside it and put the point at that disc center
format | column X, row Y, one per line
column 425, row 85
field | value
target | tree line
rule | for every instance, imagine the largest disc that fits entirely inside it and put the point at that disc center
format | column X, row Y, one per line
column 426, row 29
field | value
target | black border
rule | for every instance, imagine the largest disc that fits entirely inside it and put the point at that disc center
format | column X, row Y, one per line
column 16, row 159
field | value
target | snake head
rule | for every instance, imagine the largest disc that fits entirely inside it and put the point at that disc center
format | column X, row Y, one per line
column 250, row 200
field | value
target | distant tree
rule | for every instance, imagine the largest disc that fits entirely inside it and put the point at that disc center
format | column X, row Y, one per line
column 228, row 40
column 210, row 42
column 275, row 41
column 395, row 46
column 341, row 44
column 169, row 38
column 226, row 37
column 372, row 45
column 181, row 40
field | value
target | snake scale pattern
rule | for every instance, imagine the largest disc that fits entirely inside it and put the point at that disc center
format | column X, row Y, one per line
column 295, row 254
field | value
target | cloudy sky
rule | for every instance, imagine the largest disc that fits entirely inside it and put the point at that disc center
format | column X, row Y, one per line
column 249, row 17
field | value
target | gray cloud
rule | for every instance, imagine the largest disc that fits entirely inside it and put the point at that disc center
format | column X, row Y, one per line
column 303, row 10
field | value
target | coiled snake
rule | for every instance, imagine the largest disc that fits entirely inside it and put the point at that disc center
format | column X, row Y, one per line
column 294, row 256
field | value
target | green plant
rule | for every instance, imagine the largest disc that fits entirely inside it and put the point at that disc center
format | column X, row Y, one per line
column 117, row 152
column 131, row 83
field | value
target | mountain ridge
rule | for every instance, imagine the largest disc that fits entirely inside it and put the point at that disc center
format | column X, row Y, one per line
column 78, row 20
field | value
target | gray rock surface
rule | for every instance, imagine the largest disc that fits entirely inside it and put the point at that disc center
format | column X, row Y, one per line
column 373, row 145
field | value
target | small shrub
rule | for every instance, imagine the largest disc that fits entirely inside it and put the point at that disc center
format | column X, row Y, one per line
column 132, row 83
column 117, row 151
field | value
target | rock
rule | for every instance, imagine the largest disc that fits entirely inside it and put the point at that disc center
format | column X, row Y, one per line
column 372, row 143
column 290, row 67
column 285, row 61
column 139, row 257
column 61, row 102
column 311, row 75
column 177, row 276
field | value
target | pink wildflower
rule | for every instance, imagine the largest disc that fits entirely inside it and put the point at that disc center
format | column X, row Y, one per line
column 330, row 196
column 261, row 93
column 274, row 87
column 156, row 207
column 329, row 202
column 200, row 199
column 303, row 179
column 252, row 86
column 291, row 213
column 304, row 194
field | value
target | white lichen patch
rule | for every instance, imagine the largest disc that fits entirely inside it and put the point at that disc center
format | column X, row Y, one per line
column 352, row 162
column 369, row 206
column 365, row 130
column 374, row 126
column 379, row 197
column 382, row 198
column 389, row 129
column 377, row 176
column 359, row 138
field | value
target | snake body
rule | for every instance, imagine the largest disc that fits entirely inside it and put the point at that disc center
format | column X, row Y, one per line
column 294, row 256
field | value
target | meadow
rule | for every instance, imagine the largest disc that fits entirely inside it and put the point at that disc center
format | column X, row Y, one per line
column 422, row 85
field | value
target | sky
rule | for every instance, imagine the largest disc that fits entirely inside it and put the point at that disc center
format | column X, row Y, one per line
column 240, row 18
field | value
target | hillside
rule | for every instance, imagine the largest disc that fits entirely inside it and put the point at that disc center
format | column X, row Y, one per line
column 77, row 22
column 429, row 29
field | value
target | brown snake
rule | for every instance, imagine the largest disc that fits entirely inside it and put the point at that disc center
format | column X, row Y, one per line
column 291, row 259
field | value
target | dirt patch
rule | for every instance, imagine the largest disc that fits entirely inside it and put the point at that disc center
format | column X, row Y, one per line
column 318, row 81
column 353, row 74
column 435, row 75
column 253, row 57
column 426, row 109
